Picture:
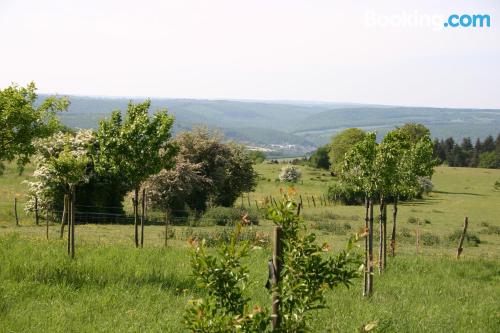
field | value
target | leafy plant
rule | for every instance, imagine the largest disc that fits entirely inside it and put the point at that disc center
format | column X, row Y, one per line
column 223, row 277
column 306, row 272
column 290, row 174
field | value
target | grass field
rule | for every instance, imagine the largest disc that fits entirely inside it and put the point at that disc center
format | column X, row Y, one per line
column 112, row 286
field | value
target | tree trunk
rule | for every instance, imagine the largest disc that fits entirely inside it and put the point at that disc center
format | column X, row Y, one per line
column 394, row 216
column 143, row 211
column 36, row 211
column 47, row 223
column 136, row 217
column 366, row 275
column 15, row 211
column 166, row 228
column 73, row 221
column 370, row 249
column 381, row 236
column 64, row 214
column 69, row 217
column 385, row 236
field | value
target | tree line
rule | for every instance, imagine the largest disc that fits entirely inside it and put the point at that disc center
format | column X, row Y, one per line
column 131, row 151
column 482, row 154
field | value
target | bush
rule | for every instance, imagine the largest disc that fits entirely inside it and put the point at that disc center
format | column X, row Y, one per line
column 290, row 174
column 333, row 227
column 345, row 194
column 470, row 238
column 489, row 229
column 429, row 239
column 214, row 238
column 228, row 216
column 412, row 220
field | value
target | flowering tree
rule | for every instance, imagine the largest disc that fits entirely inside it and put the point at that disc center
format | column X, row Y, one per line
column 169, row 189
column 290, row 174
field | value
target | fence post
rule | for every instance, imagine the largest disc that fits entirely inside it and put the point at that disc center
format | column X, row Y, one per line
column 47, row 222
column 36, row 211
column 301, row 203
column 462, row 237
column 15, row 211
column 248, row 199
column 277, row 263
column 418, row 234
column 256, row 204
column 314, row 201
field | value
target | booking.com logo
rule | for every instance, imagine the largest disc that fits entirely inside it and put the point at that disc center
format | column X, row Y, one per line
column 466, row 21
column 416, row 19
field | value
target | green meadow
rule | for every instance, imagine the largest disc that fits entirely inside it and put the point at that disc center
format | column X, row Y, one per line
column 113, row 287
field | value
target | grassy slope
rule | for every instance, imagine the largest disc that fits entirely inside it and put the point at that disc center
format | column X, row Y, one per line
column 114, row 287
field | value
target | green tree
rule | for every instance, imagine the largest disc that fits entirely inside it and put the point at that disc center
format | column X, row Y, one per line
column 319, row 158
column 490, row 160
column 415, row 131
column 135, row 148
column 227, row 165
column 360, row 172
column 21, row 122
column 341, row 144
column 256, row 156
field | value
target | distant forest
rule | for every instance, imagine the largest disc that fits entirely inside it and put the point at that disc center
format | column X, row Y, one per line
column 482, row 154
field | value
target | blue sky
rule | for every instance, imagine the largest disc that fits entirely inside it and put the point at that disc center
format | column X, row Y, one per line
column 323, row 50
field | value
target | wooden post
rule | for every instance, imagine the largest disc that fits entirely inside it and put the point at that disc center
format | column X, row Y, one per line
column 393, row 236
column 298, row 208
column 15, row 211
column 36, row 211
column 370, row 249
column 366, row 276
column 385, row 236
column 462, row 237
column 256, row 204
column 136, row 217
column 47, row 223
column 381, row 237
column 248, row 199
column 301, row 202
column 314, row 201
column 73, row 221
column 64, row 217
column 69, row 218
column 277, row 263
column 418, row 235
column 142, row 216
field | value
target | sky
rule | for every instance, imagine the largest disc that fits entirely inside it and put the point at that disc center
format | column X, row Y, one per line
column 382, row 52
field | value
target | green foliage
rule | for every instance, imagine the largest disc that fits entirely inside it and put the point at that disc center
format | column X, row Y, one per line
column 306, row 272
column 470, row 238
column 359, row 169
column 319, row 158
column 496, row 186
column 136, row 147
column 229, row 216
column 256, row 156
column 341, row 144
column 333, row 227
column 345, row 193
column 429, row 239
column 490, row 160
column 224, row 279
column 21, row 122
column 226, row 165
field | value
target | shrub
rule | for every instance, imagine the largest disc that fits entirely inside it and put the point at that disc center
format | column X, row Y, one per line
column 290, row 174
column 426, row 185
column 489, row 229
column 228, row 216
column 412, row 220
column 345, row 194
column 333, row 227
column 470, row 238
column 218, row 237
column 429, row 239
